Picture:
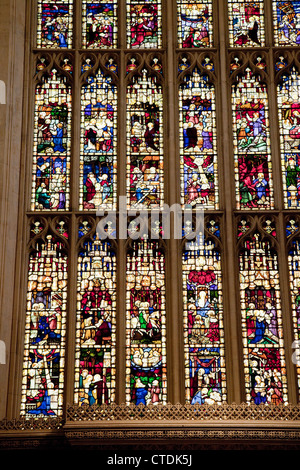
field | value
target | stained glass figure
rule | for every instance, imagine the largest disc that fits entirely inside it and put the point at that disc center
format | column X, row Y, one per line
column 183, row 64
column 280, row 63
column 246, row 23
column 198, row 148
column 45, row 330
column 84, row 228
column 213, row 227
column 55, row 24
column 243, row 227
column 131, row 64
column 41, row 64
column 52, row 144
column 288, row 99
column 87, row 64
column 286, row 15
column 99, row 28
column 292, row 226
column 260, row 63
column 195, row 23
column 98, row 166
column 145, row 142
column 145, row 324
column 144, row 24
column 95, row 357
column 36, row 227
column 268, row 226
column 205, row 375
column 264, row 363
column 252, row 155
column 235, row 64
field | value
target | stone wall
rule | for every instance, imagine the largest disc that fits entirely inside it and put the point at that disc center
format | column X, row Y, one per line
column 12, row 48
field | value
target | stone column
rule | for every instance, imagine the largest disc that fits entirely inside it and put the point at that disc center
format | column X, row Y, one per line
column 12, row 48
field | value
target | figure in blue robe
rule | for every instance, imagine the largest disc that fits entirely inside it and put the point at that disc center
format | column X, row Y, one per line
column 140, row 395
column 62, row 40
column 58, row 139
column 260, row 329
column 44, row 407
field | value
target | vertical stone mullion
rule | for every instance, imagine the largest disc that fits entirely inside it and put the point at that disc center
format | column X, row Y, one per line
column 121, row 190
column 71, row 313
column 175, row 359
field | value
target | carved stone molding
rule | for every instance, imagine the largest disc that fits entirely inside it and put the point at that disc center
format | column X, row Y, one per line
column 184, row 412
column 281, row 415
column 166, row 435
column 192, row 427
column 32, row 424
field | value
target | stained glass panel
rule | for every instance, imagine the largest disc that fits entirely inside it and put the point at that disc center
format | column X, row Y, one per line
column 195, row 23
column 264, row 363
column 145, row 325
column 294, row 281
column 246, row 23
column 205, row 375
column 98, row 166
column 288, row 99
column 52, row 144
column 198, row 148
column 252, row 157
column 99, row 28
column 286, row 16
column 144, row 24
column 145, row 142
column 55, row 24
column 95, row 357
column 45, row 330
column 292, row 226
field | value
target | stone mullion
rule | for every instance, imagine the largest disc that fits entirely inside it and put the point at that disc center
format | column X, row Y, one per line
column 11, row 373
column 71, row 313
column 268, row 22
column 175, row 354
column 121, row 191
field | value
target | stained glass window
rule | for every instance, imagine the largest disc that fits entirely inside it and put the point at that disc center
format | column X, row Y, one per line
column 195, row 23
column 106, row 77
column 145, row 324
column 144, row 29
column 198, row 148
column 55, row 24
column 95, row 368
column 246, row 23
column 52, row 142
column 205, row 374
column 99, row 24
column 45, row 326
column 288, row 98
column 251, row 140
column 286, row 16
column 98, row 177
column 145, row 141
column 264, row 363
